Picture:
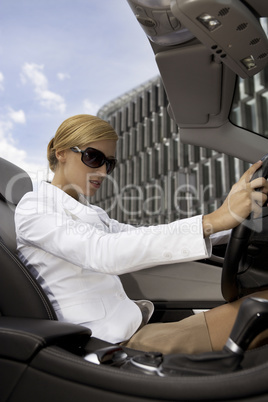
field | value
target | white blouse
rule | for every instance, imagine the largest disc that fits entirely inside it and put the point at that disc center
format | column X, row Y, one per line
column 76, row 252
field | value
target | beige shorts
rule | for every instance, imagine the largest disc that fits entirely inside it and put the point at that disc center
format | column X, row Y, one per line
column 186, row 336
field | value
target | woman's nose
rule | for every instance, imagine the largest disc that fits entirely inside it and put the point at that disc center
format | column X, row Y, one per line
column 102, row 170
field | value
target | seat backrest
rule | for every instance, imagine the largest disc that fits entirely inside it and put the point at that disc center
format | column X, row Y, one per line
column 14, row 183
column 20, row 294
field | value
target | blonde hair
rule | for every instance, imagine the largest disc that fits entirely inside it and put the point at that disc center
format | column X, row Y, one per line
column 79, row 131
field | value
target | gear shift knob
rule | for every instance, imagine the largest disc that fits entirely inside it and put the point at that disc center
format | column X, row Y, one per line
column 251, row 320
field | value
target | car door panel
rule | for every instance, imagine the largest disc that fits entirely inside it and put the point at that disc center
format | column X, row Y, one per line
column 177, row 290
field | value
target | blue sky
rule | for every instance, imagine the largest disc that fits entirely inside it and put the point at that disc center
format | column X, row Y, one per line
column 59, row 58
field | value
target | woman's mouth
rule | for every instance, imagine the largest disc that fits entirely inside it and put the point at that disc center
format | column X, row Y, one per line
column 95, row 183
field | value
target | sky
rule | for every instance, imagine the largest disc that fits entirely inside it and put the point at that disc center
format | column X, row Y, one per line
column 59, row 58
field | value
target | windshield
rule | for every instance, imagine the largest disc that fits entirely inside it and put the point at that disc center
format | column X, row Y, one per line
column 250, row 104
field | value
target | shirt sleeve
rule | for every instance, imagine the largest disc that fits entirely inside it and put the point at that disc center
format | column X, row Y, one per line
column 220, row 238
column 125, row 249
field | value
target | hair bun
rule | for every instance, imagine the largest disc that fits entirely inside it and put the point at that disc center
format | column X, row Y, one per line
column 51, row 155
column 51, row 143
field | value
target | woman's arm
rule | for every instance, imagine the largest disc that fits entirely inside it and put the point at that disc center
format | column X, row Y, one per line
column 89, row 247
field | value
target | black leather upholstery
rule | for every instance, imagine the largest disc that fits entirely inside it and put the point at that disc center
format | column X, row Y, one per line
column 21, row 338
column 14, row 183
column 20, row 294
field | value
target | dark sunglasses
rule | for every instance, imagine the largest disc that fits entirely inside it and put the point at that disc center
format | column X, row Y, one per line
column 94, row 158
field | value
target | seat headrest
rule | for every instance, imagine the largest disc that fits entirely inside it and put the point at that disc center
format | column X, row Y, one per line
column 14, row 182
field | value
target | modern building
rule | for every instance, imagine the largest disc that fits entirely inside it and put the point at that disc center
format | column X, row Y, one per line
column 158, row 178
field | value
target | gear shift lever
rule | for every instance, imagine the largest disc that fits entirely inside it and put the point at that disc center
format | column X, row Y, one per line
column 251, row 320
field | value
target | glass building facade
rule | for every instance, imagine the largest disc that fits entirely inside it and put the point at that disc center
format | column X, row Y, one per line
column 158, row 178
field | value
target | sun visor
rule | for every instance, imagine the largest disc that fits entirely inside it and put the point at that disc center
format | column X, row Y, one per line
column 193, row 83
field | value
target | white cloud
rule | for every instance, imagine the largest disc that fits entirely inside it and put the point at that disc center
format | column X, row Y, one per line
column 19, row 157
column 63, row 76
column 18, row 116
column 7, row 149
column 33, row 73
column 90, row 107
column 1, row 81
column 52, row 101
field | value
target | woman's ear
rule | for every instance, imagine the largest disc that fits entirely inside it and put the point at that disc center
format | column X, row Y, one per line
column 61, row 156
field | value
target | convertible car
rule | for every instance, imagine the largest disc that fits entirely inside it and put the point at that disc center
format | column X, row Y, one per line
column 203, row 49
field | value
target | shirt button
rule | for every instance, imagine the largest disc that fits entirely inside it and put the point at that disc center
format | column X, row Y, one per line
column 167, row 255
column 120, row 296
column 185, row 252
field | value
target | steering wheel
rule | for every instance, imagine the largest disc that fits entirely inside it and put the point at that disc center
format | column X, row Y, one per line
column 240, row 271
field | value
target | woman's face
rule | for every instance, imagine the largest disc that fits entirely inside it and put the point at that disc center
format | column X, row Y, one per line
column 76, row 177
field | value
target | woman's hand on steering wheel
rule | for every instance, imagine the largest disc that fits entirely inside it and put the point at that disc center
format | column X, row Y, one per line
column 242, row 200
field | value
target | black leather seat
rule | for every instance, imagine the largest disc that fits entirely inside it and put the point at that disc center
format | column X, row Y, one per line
column 14, row 183
column 20, row 294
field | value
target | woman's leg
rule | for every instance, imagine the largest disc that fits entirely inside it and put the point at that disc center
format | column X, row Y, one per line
column 186, row 336
column 196, row 334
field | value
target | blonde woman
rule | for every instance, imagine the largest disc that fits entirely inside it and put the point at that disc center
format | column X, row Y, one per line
column 76, row 251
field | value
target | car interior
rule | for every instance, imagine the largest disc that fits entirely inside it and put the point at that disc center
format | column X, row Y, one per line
column 203, row 49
